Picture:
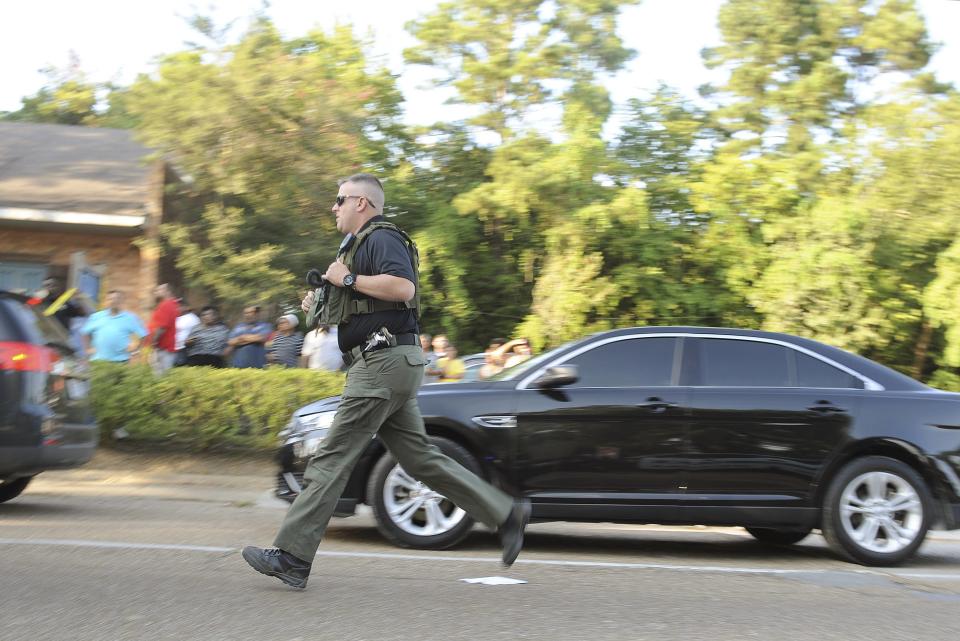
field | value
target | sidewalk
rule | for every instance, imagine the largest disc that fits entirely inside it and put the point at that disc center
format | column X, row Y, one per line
column 143, row 460
column 238, row 479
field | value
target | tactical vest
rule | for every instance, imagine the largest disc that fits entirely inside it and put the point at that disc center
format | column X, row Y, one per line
column 342, row 303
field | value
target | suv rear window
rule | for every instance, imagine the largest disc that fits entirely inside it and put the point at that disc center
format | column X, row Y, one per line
column 19, row 321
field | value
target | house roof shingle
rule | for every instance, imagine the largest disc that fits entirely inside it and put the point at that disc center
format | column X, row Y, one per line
column 73, row 169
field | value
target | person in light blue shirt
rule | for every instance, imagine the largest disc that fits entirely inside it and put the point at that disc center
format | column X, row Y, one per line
column 115, row 334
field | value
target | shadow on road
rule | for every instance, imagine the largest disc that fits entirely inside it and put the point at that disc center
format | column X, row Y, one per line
column 25, row 508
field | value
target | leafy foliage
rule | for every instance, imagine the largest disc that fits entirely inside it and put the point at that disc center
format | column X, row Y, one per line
column 201, row 407
column 262, row 130
column 814, row 191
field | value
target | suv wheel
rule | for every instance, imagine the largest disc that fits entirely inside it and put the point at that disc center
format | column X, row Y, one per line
column 410, row 514
column 778, row 536
column 877, row 511
column 11, row 489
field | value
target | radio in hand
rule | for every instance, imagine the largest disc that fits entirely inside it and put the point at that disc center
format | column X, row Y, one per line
column 321, row 288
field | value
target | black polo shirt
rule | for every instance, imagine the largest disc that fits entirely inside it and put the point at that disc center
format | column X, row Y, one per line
column 384, row 251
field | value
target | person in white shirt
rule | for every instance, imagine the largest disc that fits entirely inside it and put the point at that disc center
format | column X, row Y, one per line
column 185, row 324
column 321, row 350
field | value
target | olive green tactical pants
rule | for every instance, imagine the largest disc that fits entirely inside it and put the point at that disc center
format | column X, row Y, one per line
column 380, row 395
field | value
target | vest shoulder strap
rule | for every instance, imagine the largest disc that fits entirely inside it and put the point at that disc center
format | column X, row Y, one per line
column 370, row 305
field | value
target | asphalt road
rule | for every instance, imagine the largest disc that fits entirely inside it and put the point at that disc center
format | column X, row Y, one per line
column 111, row 555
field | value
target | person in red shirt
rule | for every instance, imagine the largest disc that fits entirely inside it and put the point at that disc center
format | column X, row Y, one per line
column 163, row 329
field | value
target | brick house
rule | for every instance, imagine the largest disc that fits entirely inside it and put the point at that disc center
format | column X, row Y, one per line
column 81, row 201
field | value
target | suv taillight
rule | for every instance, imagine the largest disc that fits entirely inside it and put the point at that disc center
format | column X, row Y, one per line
column 26, row 357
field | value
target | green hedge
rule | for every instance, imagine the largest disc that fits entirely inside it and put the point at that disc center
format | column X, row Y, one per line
column 202, row 407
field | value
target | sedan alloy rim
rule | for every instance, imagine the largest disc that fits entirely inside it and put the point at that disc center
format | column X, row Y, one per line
column 415, row 508
column 881, row 512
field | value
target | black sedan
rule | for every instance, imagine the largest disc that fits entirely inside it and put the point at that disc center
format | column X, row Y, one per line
column 680, row 425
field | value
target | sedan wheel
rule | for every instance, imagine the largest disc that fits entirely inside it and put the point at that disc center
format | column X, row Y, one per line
column 415, row 508
column 877, row 511
column 409, row 513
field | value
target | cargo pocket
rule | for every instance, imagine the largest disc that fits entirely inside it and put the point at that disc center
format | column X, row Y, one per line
column 416, row 359
column 362, row 391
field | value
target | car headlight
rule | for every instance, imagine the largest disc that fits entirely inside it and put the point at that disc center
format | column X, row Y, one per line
column 306, row 433
column 318, row 421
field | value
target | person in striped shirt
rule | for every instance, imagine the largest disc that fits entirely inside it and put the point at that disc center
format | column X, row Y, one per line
column 207, row 342
column 285, row 346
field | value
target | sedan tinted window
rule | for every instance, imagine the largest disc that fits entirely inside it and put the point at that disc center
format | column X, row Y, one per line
column 743, row 363
column 636, row 362
column 812, row 372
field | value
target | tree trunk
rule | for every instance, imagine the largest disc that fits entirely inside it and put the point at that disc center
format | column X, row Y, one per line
column 920, row 350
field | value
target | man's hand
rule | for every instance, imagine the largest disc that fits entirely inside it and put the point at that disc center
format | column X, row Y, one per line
column 382, row 286
column 307, row 302
column 335, row 273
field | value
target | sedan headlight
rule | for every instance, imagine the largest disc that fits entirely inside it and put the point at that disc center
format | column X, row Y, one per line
column 318, row 421
column 306, row 433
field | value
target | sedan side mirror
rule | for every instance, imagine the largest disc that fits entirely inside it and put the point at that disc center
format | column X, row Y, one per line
column 557, row 376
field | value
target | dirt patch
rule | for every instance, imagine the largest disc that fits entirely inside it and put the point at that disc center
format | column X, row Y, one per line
column 240, row 464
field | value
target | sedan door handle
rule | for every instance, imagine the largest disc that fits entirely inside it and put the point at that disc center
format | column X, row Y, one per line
column 656, row 405
column 826, row 407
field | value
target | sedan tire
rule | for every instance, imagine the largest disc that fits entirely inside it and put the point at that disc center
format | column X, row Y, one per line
column 877, row 511
column 411, row 515
column 13, row 488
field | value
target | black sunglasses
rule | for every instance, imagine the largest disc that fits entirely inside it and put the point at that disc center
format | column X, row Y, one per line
column 343, row 199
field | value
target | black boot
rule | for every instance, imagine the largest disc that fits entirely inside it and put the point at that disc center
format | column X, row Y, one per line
column 511, row 532
column 275, row 562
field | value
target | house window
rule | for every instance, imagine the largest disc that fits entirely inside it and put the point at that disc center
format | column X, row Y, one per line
column 22, row 277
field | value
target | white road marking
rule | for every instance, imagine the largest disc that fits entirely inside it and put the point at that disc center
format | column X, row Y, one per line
column 494, row 580
column 717, row 569
column 590, row 564
column 116, row 545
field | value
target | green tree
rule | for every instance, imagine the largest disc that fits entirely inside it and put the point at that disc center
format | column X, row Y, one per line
column 784, row 194
column 67, row 98
column 262, row 129
column 512, row 61
column 507, row 56
column 460, row 278
column 911, row 188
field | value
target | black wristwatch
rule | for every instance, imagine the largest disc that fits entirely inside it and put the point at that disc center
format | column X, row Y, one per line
column 350, row 281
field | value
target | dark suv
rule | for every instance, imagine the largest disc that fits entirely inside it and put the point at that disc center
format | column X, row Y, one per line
column 45, row 417
column 680, row 425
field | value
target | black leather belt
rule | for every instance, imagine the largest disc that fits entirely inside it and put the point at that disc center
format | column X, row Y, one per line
column 358, row 351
